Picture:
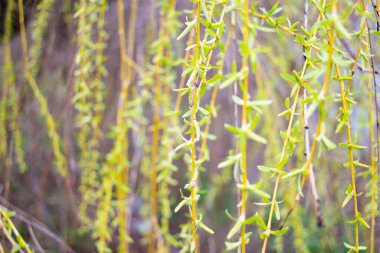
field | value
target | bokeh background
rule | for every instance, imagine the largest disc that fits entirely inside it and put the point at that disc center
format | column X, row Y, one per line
column 66, row 55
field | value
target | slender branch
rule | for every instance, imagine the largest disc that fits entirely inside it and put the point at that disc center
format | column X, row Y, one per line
column 34, row 223
column 376, row 9
column 372, row 153
column 236, row 111
column 283, row 153
column 194, row 172
column 35, row 241
column 243, row 138
column 306, row 134
column 351, row 157
column 121, row 141
column 274, row 197
column 376, row 107
column 356, row 63
column 326, row 82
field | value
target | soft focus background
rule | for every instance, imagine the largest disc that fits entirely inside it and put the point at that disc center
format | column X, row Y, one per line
column 91, row 153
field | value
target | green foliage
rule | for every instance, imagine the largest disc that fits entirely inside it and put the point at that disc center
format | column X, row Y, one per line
column 11, row 233
column 260, row 112
column 88, row 98
column 10, row 100
column 39, row 25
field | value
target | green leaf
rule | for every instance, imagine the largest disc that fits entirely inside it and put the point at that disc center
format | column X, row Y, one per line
column 277, row 211
column 346, row 200
column 363, row 222
column 355, row 146
column 189, row 25
column 289, row 78
column 357, row 164
column 233, row 78
column 214, row 79
column 297, row 77
column 352, row 146
column 362, row 165
column 180, row 205
column 231, row 160
column 229, row 215
column 237, row 100
column 181, row 146
column 236, row 227
column 341, row 62
column 279, row 232
column 284, row 113
column 197, row 130
column 232, row 245
column 204, row 10
column 205, row 228
column 255, row 190
column 261, row 102
column 232, row 129
column 293, row 173
column 203, row 111
column 256, row 218
column 191, row 79
column 348, row 246
column 187, row 114
column 271, row 170
column 339, row 26
column 287, row 102
column 221, row 46
column 192, row 247
column 282, row 162
column 265, row 234
column 255, row 137
column 342, row 78
column 189, row 186
column 328, row 143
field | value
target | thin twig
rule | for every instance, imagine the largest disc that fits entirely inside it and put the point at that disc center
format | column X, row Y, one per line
column 376, row 103
column 33, row 222
column 376, row 9
column 372, row 151
column 352, row 56
column 269, row 223
column 33, row 236
column 307, row 138
column 319, row 125
column 236, row 111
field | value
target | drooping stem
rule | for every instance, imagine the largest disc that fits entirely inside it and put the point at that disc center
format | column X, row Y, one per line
column 372, row 155
column 60, row 160
column 350, row 156
column 321, row 119
column 121, row 142
column 243, row 139
column 375, row 99
column 194, row 173
column 310, row 154
column 216, row 88
column 166, row 170
column 374, row 161
column 274, row 196
column 306, row 133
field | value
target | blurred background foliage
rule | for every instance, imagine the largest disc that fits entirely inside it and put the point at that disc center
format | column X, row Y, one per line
column 189, row 126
